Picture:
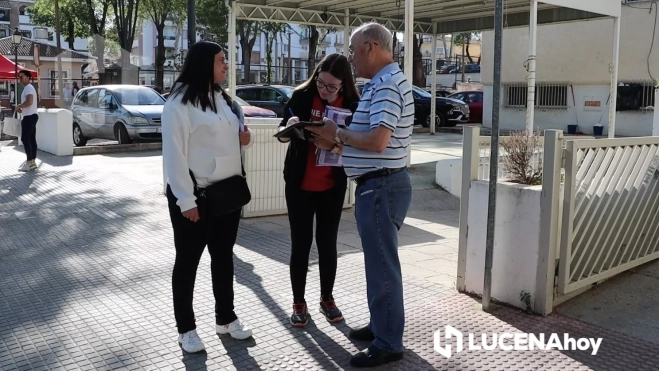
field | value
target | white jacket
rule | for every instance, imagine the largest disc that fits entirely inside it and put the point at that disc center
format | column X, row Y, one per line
column 205, row 142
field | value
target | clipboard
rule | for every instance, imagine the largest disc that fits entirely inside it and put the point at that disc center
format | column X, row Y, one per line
column 295, row 131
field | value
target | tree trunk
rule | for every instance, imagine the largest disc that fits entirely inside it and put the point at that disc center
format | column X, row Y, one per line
column 447, row 53
column 160, row 55
column 269, row 40
column 471, row 61
column 418, row 74
column 246, row 45
column 313, row 46
column 70, row 30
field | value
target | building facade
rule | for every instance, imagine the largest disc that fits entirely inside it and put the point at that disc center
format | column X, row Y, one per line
column 573, row 74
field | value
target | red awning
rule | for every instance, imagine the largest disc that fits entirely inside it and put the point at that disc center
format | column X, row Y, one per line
column 8, row 69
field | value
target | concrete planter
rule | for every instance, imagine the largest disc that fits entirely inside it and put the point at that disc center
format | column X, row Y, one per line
column 516, row 241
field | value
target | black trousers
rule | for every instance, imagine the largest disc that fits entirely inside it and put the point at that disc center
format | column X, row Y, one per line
column 29, row 135
column 190, row 239
column 327, row 207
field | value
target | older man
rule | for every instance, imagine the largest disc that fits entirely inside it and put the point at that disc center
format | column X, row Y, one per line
column 375, row 156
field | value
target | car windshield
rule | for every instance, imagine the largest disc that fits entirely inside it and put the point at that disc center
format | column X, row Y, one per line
column 286, row 90
column 139, row 97
column 421, row 92
column 241, row 102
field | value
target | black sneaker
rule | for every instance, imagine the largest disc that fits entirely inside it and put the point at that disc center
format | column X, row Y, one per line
column 374, row 356
column 331, row 312
column 362, row 334
column 300, row 316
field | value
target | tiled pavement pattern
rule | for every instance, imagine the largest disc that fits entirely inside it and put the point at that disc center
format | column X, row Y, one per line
column 85, row 261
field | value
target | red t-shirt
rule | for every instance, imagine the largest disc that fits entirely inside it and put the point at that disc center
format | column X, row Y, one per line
column 318, row 178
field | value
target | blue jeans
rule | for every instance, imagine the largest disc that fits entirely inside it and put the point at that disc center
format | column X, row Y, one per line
column 380, row 208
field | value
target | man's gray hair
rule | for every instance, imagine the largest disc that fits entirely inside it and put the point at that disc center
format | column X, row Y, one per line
column 377, row 33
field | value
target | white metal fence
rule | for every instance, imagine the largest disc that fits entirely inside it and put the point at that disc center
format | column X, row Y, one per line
column 264, row 165
column 599, row 208
column 610, row 221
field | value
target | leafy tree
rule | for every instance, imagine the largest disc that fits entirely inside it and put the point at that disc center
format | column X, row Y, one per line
column 214, row 16
column 316, row 36
column 159, row 11
column 248, row 31
column 97, row 15
column 464, row 39
column 271, row 30
column 73, row 18
column 126, row 14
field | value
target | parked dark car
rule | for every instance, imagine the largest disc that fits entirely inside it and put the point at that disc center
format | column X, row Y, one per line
column 475, row 101
column 271, row 97
column 449, row 112
column 248, row 109
column 440, row 93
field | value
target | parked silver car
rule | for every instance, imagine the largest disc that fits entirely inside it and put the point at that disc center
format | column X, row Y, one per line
column 125, row 113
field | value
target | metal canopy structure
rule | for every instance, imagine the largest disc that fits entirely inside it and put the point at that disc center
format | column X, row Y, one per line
column 430, row 17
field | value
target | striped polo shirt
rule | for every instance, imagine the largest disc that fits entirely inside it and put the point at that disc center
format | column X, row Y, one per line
column 386, row 100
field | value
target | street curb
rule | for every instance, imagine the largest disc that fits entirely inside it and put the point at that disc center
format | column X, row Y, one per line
column 115, row 148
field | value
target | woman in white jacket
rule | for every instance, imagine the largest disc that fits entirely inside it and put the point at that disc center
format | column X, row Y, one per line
column 203, row 136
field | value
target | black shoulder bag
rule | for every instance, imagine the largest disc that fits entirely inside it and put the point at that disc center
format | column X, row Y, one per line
column 227, row 195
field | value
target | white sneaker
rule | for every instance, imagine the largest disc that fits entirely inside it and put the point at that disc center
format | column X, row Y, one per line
column 24, row 167
column 236, row 329
column 190, row 342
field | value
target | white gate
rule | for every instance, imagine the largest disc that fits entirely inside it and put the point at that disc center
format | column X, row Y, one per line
column 611, row 209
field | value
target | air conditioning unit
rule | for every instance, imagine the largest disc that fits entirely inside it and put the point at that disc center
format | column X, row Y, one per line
column 40, row 33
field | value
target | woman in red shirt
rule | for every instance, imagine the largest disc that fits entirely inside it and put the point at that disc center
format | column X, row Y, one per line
column 316, row 190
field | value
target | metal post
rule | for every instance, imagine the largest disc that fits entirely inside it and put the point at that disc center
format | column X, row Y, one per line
column 433, row 71
column 60, row 84
column 552, row 162
column 346, row 31
column 409, row 54
column 470, row 159
column 192, row 24
column 409, row 41
column 233, row 8
column 494, row 153
column 531, row 63
column 614, row 77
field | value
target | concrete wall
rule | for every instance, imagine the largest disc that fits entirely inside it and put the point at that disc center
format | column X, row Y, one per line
column 516, row 241
column 628, row 123
column 578, row 53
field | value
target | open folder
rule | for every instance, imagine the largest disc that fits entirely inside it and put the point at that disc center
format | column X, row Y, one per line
column 295, row 131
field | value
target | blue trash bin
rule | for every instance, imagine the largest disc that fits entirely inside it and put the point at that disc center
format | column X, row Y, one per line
column 598, row 130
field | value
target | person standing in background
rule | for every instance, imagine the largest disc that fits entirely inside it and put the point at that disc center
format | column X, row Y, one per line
column 28, row 108
column 12, row 98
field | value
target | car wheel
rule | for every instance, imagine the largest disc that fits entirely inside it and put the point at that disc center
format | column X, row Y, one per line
column 440, row 120
column 79, row 140
column 121, row 134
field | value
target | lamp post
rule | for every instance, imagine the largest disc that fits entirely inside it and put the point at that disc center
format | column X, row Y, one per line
column 16, row 40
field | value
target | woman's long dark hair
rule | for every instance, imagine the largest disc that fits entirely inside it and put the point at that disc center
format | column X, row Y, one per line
column 338, row 66
column 197, row 79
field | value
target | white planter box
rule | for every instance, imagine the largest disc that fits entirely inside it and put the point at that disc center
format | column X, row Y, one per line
column 516, row 241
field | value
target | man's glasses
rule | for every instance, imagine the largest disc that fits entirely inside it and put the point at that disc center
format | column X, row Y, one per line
column 330, row 88
column 351, row 51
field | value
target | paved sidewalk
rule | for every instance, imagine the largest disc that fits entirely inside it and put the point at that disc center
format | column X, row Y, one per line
column 85, row 269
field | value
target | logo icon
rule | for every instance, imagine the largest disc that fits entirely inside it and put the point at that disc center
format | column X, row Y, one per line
column 446, row 349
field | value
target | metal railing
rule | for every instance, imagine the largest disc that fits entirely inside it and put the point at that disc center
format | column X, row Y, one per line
column 610, row 212
column 264, row 165
column 484, row 151
column 636, row 96
column 599, row 208
column 548, row 95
